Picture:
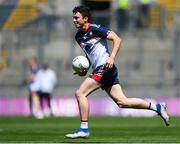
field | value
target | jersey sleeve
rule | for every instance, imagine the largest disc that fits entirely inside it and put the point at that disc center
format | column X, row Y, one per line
column 101, row 31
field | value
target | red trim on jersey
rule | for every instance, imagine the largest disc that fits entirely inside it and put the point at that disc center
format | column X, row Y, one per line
column 86, row 28
column 96, row 77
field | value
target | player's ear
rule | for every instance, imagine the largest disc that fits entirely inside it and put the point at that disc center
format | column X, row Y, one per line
column 86, row 19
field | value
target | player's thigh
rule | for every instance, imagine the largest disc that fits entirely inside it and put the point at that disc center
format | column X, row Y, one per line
column 88, row 86
column 116, row 93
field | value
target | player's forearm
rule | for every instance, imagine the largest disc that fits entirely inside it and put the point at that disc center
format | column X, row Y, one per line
column 116, row 47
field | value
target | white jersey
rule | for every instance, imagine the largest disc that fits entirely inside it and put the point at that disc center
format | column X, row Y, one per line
column 45, row 81
column 93, row 42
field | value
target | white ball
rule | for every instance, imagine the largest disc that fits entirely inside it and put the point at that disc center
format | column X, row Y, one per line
column 80, row 63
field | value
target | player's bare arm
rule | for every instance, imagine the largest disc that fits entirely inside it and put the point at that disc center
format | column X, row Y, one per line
column 112, row 36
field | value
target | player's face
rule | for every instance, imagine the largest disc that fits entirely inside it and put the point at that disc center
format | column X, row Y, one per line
column 79, row 21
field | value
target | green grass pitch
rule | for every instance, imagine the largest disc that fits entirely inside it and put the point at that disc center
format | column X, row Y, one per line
column 103, row 130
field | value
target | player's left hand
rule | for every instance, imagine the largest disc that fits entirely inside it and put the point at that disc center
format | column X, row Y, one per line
column 109, row 62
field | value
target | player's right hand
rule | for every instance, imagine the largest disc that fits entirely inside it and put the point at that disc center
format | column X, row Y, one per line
column 81, row 73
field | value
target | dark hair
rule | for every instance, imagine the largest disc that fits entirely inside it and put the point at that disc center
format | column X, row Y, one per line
column 45, row 66
column 85, row 11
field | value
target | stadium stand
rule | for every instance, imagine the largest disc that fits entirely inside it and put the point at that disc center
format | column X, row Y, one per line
column 143, row 59
column 5, row 10
column 168, row 7
column 24, row 12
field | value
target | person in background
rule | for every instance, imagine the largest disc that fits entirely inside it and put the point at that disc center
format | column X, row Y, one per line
column 122, row 15
column 143, row 13
column 34, row 101
column 47, row 80
column 1, row 65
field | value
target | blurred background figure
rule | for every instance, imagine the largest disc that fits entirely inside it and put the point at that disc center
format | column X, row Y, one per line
column 2, row 60
column 122, row 15
column 47, row 81
column 1, row 66
column 32, row 80
column 143, row 13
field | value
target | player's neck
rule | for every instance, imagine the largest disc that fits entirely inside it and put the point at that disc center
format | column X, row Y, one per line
column 86, row 27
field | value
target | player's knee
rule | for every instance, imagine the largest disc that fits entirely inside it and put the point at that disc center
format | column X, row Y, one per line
column 78, row 94
column 122, row 103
